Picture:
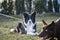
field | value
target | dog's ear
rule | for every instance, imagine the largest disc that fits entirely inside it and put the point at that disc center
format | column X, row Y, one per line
column 51, row 26
column 20, row 24
column 25, row 14
column 44, row 22
column 52, row 23
column 33, row 14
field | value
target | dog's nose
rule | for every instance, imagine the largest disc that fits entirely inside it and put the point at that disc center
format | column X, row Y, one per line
column 29, row 21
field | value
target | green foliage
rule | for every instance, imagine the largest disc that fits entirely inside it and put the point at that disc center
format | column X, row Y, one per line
column 4, row 5
column 50, row 6
column 7, row 7
column 30, row 2
column 56, row 6
column 10, row 7
column 40, row 6
column 19, row 6
column 29, row 5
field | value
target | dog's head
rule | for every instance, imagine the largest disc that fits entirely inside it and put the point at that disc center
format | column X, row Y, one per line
column 48, row 30
column 29, row 18
column 29, row 21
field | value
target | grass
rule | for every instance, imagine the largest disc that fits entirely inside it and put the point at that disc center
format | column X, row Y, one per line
column 7, row 23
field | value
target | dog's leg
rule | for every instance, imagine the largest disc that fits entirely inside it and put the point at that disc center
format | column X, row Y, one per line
column 21, row 28
column 18, row 29
column 34, row 28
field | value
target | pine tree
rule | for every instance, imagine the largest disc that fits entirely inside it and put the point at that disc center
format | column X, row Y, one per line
column 4, row 5
column 56, row 6
column 19, row 6
column 30, row 4
column 10, row 7
column 40, row 6
column 50, row 6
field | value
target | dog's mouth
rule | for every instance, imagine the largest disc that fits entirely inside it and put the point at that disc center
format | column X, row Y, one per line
column 29, row 23
column 44, row 38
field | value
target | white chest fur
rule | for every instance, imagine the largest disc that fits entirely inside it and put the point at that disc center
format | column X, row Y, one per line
column 29, row 29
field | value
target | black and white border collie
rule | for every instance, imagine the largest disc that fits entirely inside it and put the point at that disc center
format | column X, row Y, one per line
column 29, row 24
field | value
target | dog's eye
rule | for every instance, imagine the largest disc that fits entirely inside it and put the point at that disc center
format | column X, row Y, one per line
column 46, row 30
column 43, row 27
